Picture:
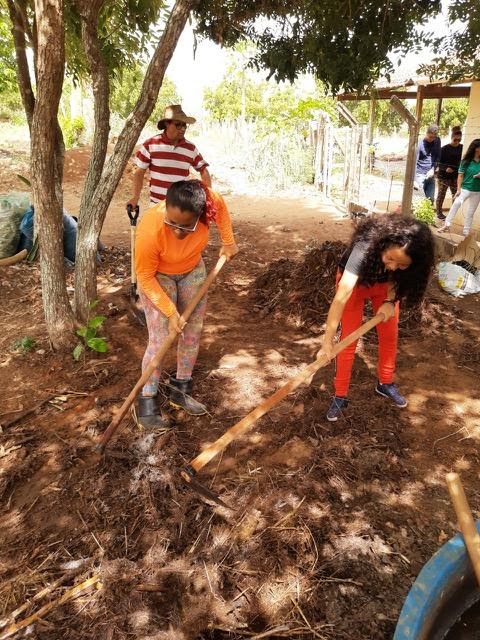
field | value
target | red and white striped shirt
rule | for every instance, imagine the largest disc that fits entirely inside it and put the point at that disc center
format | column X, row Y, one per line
column 167, row 163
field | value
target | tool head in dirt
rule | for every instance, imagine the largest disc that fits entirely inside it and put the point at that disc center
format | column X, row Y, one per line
column 132, row 213
column 188, row 476
column 137, row 311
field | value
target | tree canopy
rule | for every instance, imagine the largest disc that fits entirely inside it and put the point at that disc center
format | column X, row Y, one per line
column 345, row 44
column 458, row 52
column 279, row 105
column 126, row 91
column 126, row 29
column 8, row 74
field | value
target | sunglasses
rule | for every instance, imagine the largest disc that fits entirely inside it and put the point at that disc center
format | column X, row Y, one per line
column 180, row 228
column 178, row 125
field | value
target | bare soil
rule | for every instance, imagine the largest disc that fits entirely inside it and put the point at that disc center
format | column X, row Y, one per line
column 331, row 522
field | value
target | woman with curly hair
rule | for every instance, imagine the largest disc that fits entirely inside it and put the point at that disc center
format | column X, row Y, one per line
column 468, row 188
column 168, row 258
column 389, row 261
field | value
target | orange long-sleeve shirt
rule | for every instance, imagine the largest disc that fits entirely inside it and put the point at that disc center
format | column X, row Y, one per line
column 158, row 250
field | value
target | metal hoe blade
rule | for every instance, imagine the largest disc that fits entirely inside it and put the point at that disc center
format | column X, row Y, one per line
column 187, row 476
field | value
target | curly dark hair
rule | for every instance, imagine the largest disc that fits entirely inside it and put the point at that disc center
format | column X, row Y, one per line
column 414, row 237
column 193, row 196
column 470, row 153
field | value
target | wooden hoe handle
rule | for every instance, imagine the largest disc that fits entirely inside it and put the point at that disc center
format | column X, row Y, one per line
column 465, row 520
column 133, row 213
column 244, row 425
column 158, row 357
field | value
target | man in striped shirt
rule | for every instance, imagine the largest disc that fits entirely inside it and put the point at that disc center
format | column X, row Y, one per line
column 168, row 156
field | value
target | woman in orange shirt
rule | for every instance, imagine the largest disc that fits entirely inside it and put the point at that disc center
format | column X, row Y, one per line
column 168, row 258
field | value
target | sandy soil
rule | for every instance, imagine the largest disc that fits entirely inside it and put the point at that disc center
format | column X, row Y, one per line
column 331, row 523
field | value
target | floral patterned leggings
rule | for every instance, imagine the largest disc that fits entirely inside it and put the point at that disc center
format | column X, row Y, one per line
column 180, row 289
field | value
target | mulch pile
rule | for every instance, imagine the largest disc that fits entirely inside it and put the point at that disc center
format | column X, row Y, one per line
column 301, row 292
column 305, row 553
column 329, row 528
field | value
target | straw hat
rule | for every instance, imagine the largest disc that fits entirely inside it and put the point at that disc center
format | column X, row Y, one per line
column 174, row 112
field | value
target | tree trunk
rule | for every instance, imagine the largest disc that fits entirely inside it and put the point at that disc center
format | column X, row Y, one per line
column 89, row 12
column 44, row 169
column 23, row 75
column 85, row 268
column 87, row 235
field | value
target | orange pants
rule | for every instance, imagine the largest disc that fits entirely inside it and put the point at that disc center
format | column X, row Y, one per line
column 387, row 336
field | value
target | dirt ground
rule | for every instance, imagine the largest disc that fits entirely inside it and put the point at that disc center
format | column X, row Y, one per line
column 330, row 524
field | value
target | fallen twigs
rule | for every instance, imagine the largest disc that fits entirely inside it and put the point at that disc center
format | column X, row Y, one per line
column 72, row 593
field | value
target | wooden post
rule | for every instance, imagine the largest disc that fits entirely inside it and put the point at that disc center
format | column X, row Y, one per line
column 371, row 119
column 349, row 177
column 413, row 125
column 439, row 111
column 329, row 160
column 419, row 104
column 347, row 114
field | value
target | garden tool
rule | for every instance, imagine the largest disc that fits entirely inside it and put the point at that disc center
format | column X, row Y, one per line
column 189, row 472
column 136, row 306
column 157, row 358
column 18, row 257
column 465, row 519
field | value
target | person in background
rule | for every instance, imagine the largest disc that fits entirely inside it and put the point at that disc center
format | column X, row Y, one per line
column 468, row 188
column 170, row 239
column 168, row 156
column 389, row 261
column 428, row 154
column 447, row 169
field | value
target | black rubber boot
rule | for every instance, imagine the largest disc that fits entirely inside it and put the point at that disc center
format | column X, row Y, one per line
column 180, row 398
column 149, row 415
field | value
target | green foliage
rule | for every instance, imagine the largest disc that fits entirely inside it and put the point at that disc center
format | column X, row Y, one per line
column 88, row 333
column 457, row 53
column 424, row 210
column 8, row 75
column 226, row 100
column 72, row 129
column 279, row 160
column 126, row 90
column 267, row 124
column 345, row 45
column 10, row 101
column 243, row 94
column 387, row 120
column 24, row 344
column 125, row 33
column 454, row 112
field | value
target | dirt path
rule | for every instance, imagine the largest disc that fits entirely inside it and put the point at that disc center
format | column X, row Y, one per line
column 331, row 523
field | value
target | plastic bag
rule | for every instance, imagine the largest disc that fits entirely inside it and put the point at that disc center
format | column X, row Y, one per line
column 458, row 281
column 69, row 234
column 12, row 207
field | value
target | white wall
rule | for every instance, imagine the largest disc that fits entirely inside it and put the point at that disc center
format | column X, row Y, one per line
column 470, row 132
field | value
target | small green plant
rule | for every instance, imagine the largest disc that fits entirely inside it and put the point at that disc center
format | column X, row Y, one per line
column 24, row 344
column 88, row 333
column 423, row 210
column 73, row 129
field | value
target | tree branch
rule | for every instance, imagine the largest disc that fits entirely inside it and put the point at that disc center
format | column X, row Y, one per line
column 89, row 12
column 85, row 267
column 149, row 92
column 23, row 73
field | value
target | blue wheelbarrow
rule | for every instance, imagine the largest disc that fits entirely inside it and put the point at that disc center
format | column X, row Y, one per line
column 444, row 601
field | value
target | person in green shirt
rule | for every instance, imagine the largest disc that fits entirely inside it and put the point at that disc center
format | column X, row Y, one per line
column 468, row 188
